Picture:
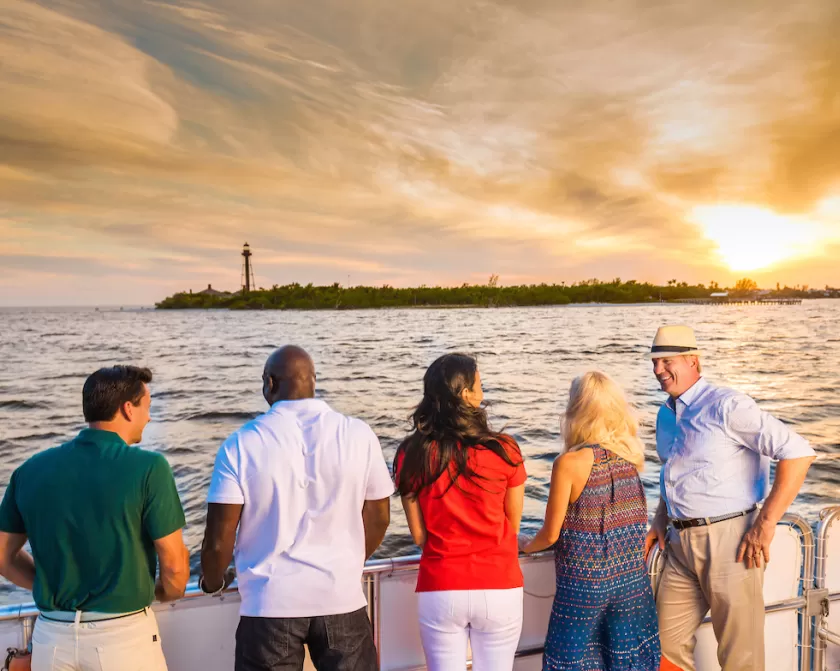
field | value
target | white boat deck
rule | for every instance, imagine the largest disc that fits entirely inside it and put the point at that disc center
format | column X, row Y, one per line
column 801, row 580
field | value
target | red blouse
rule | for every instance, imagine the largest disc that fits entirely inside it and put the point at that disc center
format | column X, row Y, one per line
column 470, row 544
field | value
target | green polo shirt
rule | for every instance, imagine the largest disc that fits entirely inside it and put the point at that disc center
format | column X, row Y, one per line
column 92, row 509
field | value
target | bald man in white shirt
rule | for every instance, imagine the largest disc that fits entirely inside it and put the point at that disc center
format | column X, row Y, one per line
column 308, row 490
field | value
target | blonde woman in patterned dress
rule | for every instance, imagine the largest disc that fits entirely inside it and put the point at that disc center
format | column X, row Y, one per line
column 604, row 616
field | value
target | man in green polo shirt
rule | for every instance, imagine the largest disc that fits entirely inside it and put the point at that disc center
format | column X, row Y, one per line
column 98, row 515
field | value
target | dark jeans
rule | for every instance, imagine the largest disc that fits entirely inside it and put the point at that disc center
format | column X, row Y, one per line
column 336, row 643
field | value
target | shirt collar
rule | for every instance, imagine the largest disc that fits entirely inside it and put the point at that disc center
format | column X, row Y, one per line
column 298, row 404
column 100, row 437
column 689, row 395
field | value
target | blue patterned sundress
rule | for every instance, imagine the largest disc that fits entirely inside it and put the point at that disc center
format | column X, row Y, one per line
column 604, row 615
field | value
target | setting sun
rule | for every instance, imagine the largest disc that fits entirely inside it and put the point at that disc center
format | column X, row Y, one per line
column 752, row 238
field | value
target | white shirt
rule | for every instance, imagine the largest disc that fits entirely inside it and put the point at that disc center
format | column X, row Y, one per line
column 716, row 445
column 302, row 472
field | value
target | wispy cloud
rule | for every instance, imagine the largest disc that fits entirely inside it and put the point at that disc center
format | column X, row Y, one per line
column 406, row 142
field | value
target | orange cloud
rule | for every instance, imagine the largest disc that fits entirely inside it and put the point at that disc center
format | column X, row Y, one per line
column 412, row 142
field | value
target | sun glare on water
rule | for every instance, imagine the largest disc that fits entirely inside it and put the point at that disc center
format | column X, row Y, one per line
column 752, row 238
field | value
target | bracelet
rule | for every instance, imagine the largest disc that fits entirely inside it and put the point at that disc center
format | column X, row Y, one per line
column 204, row 589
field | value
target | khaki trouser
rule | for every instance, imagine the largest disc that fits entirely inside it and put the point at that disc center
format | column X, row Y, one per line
column 129, row 643
column 700, row 574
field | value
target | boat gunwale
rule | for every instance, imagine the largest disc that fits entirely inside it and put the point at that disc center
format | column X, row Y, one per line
column 389, row 566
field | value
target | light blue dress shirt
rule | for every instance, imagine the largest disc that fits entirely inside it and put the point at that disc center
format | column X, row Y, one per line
column 716, row 445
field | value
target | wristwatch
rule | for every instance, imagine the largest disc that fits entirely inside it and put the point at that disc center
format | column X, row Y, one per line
column 204, row 589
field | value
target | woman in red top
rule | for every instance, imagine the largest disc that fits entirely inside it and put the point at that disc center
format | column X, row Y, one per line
column 462, row 487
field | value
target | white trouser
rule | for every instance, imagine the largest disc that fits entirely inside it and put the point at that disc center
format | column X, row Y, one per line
column 130, row 643
column 490, row 619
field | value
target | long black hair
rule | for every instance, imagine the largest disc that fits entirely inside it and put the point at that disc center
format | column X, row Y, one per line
column 445, row 426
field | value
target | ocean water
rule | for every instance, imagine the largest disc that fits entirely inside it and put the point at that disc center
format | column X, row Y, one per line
column 370, row 364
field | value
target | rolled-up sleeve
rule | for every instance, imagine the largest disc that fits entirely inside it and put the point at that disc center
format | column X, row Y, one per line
column 759, row 431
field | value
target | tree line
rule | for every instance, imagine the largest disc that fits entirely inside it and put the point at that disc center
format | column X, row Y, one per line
column 336, row 297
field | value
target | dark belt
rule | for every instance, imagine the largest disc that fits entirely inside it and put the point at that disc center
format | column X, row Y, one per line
column 679, row 525
column 89, row 616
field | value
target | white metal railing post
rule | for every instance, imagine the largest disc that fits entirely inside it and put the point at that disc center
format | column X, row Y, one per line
column 377, row 617
column 805, row 617
column 822, row 636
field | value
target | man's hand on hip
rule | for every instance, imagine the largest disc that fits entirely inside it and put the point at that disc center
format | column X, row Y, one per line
column 756, row 544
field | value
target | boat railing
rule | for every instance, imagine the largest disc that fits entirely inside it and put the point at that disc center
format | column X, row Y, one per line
column 827, row 590
column 803, row 582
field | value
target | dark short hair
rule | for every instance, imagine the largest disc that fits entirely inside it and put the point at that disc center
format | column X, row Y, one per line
column 107, row 389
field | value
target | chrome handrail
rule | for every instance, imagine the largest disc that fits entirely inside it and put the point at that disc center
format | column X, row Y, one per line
column 806, row 622
column 411, row 562
column 829, row 636
column 372, row 567
column 375, row 570
column 827, row 517
column 29, row 609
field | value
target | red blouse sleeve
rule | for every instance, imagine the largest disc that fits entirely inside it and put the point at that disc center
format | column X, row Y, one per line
column 517, row 476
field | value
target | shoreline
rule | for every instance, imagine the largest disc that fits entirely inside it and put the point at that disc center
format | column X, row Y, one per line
column 10, row 309
column 590, row 293
column 469, row 306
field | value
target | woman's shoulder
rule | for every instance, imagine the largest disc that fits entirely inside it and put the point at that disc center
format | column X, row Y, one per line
column 503, row 440
column 575, row 463
column 511, row 448
column 499, row 452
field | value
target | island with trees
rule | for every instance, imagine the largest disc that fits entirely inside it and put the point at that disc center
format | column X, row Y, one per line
column 492, row 294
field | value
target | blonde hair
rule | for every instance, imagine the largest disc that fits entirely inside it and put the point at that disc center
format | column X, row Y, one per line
column 598, row 414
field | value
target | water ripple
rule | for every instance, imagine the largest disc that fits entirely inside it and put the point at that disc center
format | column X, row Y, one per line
column 207, row 368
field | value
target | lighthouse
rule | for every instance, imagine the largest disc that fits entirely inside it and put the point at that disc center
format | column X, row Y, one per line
column 247, row 270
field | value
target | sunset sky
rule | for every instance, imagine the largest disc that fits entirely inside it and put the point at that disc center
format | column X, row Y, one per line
column 414, row 142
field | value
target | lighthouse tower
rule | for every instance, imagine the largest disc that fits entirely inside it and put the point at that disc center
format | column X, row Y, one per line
column 247, row 270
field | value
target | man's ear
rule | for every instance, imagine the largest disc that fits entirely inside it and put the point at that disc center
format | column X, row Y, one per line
column 127, row 410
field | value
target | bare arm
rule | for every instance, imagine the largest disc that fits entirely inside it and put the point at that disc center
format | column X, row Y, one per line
column 570, row 472
column 790, row 474
column 514, row 501
column 217, row 546
column 555, row 512
column 414, row 516
column 16, row 564
column 174, row 567
column 376, row 516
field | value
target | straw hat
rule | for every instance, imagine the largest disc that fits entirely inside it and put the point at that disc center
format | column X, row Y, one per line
column 674, row 341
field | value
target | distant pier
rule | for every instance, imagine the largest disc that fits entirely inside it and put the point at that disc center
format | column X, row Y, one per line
column 740, row 301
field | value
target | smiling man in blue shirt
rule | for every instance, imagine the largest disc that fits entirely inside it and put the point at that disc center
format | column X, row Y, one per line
column 716, row 445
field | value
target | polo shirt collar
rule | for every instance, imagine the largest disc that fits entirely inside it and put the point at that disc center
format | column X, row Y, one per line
column 100, row 437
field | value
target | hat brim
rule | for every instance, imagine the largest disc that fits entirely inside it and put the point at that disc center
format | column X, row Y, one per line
column 665, row 353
